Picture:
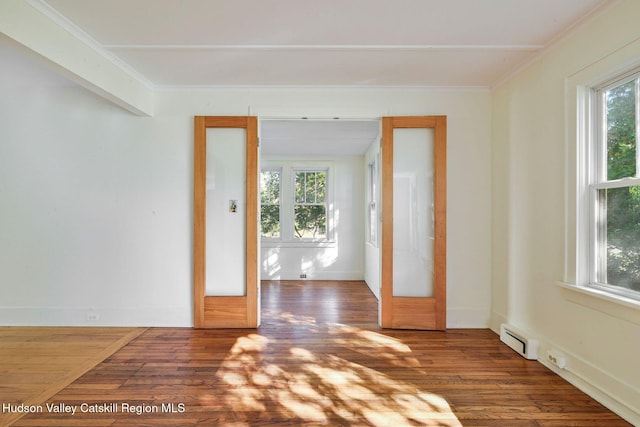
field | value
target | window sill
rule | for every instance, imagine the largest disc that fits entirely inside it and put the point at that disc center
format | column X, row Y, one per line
column 614, row 305
column 290, row 244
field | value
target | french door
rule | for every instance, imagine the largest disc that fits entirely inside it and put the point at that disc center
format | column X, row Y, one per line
column 414, row 202
column 413, row 272
column 225, row 222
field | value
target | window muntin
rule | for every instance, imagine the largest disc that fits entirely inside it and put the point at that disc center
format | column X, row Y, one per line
column 310, row 204
column 615, row 190
column 270, row 202
column 304, row 204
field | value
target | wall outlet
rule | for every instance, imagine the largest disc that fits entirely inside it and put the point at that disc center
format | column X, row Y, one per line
column 556, row 359
column 92, row 316
column 303, row 276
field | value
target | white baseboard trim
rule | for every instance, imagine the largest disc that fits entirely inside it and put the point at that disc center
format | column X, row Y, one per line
column 374, row 291
column 97, row 316
column 614, row 393
column 317, row 275
column 496, row 320
column 460, row 318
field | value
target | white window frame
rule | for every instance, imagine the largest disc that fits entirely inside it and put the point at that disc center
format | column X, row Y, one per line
column 287, row 198
column 596, row 180
column 279, row 170
column 294, row 172
column 372, row 201
column 580, row 131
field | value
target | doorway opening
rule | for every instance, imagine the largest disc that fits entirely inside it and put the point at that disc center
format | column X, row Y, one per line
column 316, row 197
column 320, row 209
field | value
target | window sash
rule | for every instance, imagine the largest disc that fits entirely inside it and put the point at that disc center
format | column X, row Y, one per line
column 598, row 187
column 618, row 183
column 278, row 235
column 287, row 205
column 305, row 192
column 372, row 219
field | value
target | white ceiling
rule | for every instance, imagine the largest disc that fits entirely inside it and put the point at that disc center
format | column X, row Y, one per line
column 456, row 43
column 355, row 43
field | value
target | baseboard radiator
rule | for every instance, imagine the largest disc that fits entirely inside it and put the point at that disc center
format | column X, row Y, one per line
column 519, row 342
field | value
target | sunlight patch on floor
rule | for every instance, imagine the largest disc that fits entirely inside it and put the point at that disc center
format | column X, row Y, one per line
column 366, row 342
column 317, row 383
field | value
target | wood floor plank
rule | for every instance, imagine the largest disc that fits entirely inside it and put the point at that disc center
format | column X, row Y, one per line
column 39, row 362
column 320, row 359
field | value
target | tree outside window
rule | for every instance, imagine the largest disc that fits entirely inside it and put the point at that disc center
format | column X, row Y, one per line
column 617, row 190
column 310, row 207
column 270, row 203
column 297, row 212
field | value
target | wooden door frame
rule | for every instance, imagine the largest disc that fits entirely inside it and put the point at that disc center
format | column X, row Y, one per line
column 392, row 308
column 225, row 311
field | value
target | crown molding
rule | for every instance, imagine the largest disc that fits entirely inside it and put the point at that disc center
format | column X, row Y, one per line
column 365, row 47
column 323, row 88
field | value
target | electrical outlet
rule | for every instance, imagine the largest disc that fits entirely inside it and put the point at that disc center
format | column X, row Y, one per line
column 92, row 316
column 303, row 276
column 556, row 359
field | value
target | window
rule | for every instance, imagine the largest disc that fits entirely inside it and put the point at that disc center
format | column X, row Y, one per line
column 295, row 203
column 310, row 204
column 372, row 197
column 270, row 189
column 614, row 189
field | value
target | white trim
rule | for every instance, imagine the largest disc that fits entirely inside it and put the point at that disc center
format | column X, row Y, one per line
column 60, row 50
column 271, row 242
column 496, row 319
column 330, row 47
column 580, row 134
column 106, row 316
column 618, row 183
column 288, row 168
column 595, row 382
column 265, row 239
column 324, row 88
column 556, row 41
column 609, row 303
column 465, row 317
column 373, row 201
column 55, row 16
column 594, row 176
column 315, row 275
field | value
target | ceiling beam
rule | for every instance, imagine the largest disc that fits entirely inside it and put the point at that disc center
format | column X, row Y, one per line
column 66, row 53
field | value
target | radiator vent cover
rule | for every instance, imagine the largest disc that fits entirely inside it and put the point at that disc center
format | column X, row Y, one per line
column 519, row 342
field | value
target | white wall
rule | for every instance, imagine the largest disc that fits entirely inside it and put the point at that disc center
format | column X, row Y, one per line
column 468, row 173
column 531, row 195
column 343, row 258
column 96, row 204
column 96, row 212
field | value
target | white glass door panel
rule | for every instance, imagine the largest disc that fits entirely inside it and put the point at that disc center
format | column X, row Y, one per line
column 414, row 246
column 225, row 212
column 413, row 234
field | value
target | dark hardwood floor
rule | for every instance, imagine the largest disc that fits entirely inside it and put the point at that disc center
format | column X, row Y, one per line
column 320, row 359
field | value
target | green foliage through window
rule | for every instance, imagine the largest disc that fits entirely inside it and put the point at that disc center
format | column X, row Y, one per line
column 270, row 203
column 295, row 211
column 622, row 204
column 310, row 210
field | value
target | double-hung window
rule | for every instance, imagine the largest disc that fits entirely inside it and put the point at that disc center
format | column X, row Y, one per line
column 270, row 202
column 310, row 204
column 372, row 198
column 614, row 189
column 295, row 203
